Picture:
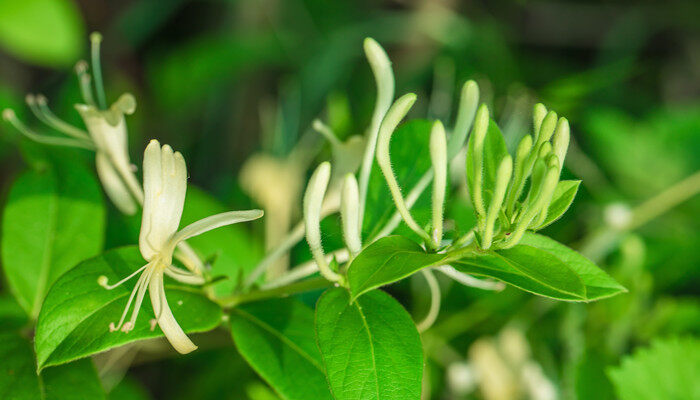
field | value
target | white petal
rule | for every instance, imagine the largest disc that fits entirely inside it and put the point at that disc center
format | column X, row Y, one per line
column 114, row 186
column 215, row 221
column 171, row 329
column 165, row 184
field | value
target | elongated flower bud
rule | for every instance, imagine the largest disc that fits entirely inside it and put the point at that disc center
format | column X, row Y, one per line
column 544, row 151
column 386, row 130
column 438, row 156
column 547, row 129
column 349, row 213
column 543, row 198
column 313, row 200
column 538, row 114
column 468, row 101
column 481, row 125
column 560, row 142
column 505, row 170
column 518, row 182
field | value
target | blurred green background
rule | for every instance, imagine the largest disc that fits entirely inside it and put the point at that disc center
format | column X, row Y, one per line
column 222, row 80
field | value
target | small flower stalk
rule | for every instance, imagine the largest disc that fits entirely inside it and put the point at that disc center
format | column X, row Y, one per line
column 504, row 210
column 165, row 185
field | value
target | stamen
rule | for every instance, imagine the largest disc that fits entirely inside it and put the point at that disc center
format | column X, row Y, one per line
column 96, row 40
column 102, row 280
column 53, row 121
column 10, row 116
column 112, row 326
column 84, row 81
column 326, row 132
column 139, row 300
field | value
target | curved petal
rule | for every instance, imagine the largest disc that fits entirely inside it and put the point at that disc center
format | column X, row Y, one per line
column 215, row 221
column 171, row 329
column 114, row 186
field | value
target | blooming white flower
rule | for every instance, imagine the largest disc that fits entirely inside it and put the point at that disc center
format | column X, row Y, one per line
column 165, row 184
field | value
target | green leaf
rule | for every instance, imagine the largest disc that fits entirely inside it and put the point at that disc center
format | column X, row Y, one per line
column 74, row 321
column 599, row 284
column 276, row 338
column 387, row 260
column 527, row 268
column 43, row 32
column 410, row 159
column 19, row 380
column 53, row 219
column 232, row 248
column 563, row 196
column 494, row 151
column 666, row 370
column 371, row 348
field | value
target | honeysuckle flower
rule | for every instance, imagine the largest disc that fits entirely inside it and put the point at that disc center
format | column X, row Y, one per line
column 106, row 132
column 165, row 184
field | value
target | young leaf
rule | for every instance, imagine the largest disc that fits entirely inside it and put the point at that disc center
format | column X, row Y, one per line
column 666, row 370
column 563, row 196
column 387, row 260
column 74, row 321
column 494, row 151
column 410, row 159
column 54, row 218
column 19, row 380
column 371, row 348
column 276, row 338
column 527, row 268
column 599, row 285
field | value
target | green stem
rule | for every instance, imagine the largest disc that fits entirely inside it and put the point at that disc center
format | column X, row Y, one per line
column 283, row 291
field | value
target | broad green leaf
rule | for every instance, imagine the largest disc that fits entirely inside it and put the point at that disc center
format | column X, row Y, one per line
column 371, row 348
column 387, row 260
column 74, row 321
column 599, row 284
column 667, row 370
column 410, row 159
column 563, row 196
column 12, row 316
column 231, row 249
column 527, row 268
column 75, row 381
column 53, row 219
column 494, row 151
column 276, row 338
column 19, row 380
column 43, row 32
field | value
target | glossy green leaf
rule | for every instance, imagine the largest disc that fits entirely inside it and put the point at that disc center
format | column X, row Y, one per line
column 19, row 380
column 599, row 284
column 410, row 159
column 494, row 151
column 53, row 219
column 527, row 268
column 276, row 337
column 564, row 195
column 44, row 32
column 371, row 348
column 387, row 260
column 74, row 321
column 231, row 249
column 666, row 370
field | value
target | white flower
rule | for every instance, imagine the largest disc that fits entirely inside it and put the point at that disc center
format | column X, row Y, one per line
column 107, row 130
column 165, row 184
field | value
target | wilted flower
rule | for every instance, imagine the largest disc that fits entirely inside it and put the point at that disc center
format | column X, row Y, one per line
column 165, row 184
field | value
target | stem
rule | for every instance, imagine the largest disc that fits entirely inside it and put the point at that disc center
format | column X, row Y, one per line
column 665, row 201
column 283, row 291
